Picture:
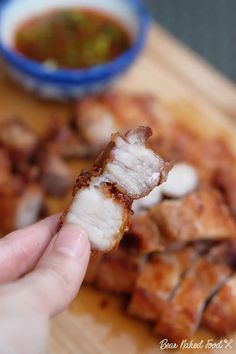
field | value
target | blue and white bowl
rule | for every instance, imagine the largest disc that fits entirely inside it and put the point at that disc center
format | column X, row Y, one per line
column 62, row 83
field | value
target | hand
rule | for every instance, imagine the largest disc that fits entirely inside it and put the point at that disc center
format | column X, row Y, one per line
column 40, row 274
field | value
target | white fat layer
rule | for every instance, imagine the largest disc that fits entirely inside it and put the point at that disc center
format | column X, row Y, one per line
column 28, row 210
column 154, row 197
column 97, row 214
column 182, row 179
column 134, row 168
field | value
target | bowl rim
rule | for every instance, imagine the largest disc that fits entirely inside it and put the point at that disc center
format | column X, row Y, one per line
column 109, row 69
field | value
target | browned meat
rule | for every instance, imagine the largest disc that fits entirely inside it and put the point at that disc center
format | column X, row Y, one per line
column 225, row 180
column 128, row 169
column 157, row 281
column 143, row 236
column 182, row 315
column 20, row 204
column 18, row 140
column 200, row 215
column 175, row 142
column 220, row 314
column 97, row 117
column 118, row 272
column 224, row 251
column 56, row 176
column 64, row 140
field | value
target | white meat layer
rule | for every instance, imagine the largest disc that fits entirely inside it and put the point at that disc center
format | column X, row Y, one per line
column 135, row 169
column 97, row 214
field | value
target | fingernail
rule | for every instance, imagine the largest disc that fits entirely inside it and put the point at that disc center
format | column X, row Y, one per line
column 71, row 241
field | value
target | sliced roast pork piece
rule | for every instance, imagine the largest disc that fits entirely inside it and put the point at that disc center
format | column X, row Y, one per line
column 118, row 271
column 63, row 139
column 200, row 215
column 95, row 122
column 220, row 314
column 19, row 140
column 143, row 236
column 175, row 142
column 182, row 315
column 97, row 117
column 157, row 281
column 128, row 169
column 20, row 204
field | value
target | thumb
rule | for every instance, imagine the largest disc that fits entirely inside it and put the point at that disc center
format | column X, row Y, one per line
column 58, row 276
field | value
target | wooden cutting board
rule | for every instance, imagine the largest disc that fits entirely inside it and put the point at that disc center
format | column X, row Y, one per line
column 197, row 95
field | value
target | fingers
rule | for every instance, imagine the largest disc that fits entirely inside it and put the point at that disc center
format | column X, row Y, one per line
column 58, row 276
column 21, row 250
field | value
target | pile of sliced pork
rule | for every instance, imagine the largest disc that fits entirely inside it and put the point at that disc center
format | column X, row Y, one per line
column 177, row 259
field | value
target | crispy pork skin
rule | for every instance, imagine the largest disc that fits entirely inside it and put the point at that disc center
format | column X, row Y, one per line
column 118, row 271
column 200, row 215
column 143, row 236
column 157, row 281
column 182, row 315
column 175, row 142
column 128, row 169
column 220, row 314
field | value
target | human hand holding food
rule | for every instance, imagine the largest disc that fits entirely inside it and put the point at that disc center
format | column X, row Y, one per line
column 41, row 272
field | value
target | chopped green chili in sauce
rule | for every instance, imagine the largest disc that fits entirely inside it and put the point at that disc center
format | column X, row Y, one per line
column 72, row 38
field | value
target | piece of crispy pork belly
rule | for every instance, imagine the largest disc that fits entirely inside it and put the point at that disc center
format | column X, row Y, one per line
column 175, row 142
column 118, row 271
column 20, row 204
column 63, row 139
column 97, row 117
column 19, row 140
column 220, row 314
column 182, row 315
column 157, row 281
column 200, row 215
column 128, row 169
column 143, row 236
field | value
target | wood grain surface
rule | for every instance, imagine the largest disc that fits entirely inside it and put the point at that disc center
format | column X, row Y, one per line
column 197, row 95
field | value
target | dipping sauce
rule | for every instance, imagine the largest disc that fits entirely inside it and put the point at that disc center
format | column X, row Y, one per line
column 72, row 38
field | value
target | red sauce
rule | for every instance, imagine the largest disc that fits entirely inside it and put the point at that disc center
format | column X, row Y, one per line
column 72, row 38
